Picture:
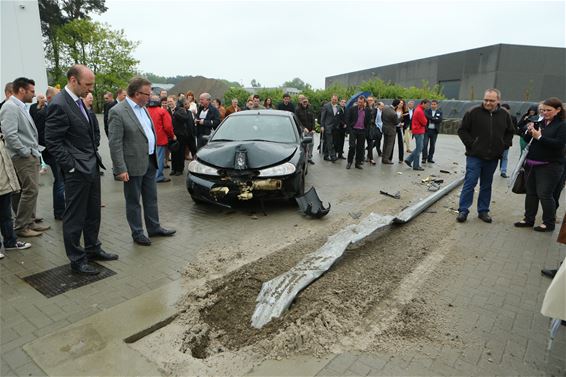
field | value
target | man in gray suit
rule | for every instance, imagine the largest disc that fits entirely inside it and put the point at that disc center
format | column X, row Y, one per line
column 23, row 147
column 133, row 150
column 390, row 120
column 329, row 125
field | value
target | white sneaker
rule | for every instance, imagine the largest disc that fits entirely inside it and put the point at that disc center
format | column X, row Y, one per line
column 2, row 256
column 19, row 246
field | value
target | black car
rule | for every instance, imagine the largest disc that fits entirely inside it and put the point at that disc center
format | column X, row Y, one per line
column 252, row 154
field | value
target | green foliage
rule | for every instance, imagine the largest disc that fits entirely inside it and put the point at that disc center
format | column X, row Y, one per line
column 297, row 83
column 105, row 51
column 276, row 95
column 381, row 89
column 236, row 92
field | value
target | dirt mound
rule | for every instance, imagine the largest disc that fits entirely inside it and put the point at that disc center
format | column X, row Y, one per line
column 200, row 84
column 366, row 297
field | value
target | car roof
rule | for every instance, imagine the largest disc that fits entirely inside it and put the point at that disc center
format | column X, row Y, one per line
column 262, row 112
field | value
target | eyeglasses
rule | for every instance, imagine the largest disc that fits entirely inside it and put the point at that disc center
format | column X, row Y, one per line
column 145, row 94
column 489, row 100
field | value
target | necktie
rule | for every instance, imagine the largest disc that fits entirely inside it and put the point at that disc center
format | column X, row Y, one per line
column 81, row 106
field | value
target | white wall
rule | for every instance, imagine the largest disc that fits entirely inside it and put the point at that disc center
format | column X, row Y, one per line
column 21, row 44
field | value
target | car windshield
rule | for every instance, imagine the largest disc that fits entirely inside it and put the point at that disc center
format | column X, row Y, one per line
column 259, row 127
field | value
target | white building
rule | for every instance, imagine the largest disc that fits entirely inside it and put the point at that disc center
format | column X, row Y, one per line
column 22, row 51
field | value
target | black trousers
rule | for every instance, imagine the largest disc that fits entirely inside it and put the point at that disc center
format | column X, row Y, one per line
column 339, row 137
column 541, row 183
column 178, row 157
column 357, row 142
column 429, row 144
column 329, row 151
column 400, row 144
column 81, row 216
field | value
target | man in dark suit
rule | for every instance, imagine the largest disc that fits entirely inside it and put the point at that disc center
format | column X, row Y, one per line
column 390, row 121
column 329, row 123
column 359, row 118
column 109, row 102
column 207, row 119
column 70, row 137
column 434, row 117
column 133, row 146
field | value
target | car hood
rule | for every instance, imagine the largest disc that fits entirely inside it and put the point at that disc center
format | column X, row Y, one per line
column 259, row 154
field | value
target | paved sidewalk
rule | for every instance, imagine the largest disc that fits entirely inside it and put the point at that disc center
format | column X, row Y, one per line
column 497, row 294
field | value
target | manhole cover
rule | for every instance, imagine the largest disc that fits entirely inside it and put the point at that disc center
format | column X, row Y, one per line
column 61, row 279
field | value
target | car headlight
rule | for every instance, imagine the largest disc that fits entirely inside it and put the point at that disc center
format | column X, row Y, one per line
column 284, row 169
column 196, row 167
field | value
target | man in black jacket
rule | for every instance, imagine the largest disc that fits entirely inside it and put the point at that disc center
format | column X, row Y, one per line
column 486, row 131
column 306, row 117
column 359, row 118
column 109, row 102
column 286, row 105
column 207, row 119
column 434, row 117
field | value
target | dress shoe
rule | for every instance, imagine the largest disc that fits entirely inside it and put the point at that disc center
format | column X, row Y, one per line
column 543, row 228
column 164, row 180
column 386, row 162
column 84, row 269
column 423, row 161
column 27, row 232
column 358, row 166
column 484, row 216
column 162, row 232
column 102, row 255
column 372, row 162
column 523, row 224
column 39, row 227
column 550, row 273
column 504, row 175
column 407, row 162
column 142, row 240
column 430, row 161
column 419, row 168
column 462, row 217
column 178, row 173
column 38, row 220
column 342, row 157
column 311, row 162
column 349, row 165
column 326, row 158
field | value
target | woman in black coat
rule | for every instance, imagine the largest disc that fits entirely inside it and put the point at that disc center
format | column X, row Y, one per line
column 544, row 164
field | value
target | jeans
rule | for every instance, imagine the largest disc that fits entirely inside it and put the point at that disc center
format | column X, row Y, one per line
column 415, row 156
column 430, row 137
column 58, row 187
column 541, row 183
column 477, row 168
column 161, row 162
column 503, row 162
column 6, row 223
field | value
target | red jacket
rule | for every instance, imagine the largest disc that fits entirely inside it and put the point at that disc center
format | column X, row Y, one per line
column 419, row 122
column 162, row 123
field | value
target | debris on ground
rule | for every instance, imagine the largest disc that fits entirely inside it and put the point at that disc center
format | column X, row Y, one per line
column 397, row 195
column 445, row 171
column 311, row 205
column 355, row 215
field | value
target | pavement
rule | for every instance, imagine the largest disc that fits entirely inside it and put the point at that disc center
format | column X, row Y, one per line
column 496, row 298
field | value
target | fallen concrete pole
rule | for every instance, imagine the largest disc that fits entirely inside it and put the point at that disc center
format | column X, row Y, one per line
column 277, row 294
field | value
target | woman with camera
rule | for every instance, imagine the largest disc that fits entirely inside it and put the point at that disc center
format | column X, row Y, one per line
column 544, row 164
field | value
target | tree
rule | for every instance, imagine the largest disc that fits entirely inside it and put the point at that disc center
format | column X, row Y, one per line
column 236, row 92
column 55, row 14
column 255, row 84
column 105, row 51
column 296, row 83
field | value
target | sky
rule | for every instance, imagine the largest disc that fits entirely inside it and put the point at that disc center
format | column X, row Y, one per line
column 276, row 41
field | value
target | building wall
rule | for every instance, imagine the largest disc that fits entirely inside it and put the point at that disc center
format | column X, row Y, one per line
column 21, row 46
column 522, row 73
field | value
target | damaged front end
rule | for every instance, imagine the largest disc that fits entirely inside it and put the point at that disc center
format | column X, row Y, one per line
column 243, row 189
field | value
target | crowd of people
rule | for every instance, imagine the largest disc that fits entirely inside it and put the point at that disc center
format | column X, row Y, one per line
column 146, row 131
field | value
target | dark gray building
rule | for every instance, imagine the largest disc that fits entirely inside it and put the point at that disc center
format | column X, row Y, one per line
column 522, row 73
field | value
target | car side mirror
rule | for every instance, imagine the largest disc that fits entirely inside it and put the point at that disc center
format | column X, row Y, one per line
column 307, row 140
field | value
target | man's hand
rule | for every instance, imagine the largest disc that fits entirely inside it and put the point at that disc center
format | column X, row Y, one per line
column 124, row 177
column 321, row 130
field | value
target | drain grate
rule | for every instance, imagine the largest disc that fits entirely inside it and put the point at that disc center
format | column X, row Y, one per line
column 61, row 279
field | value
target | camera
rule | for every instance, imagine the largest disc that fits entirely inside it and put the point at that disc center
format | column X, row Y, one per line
column 535, row 119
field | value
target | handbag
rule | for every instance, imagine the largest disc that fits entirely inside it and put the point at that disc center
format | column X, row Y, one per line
column 519, row 187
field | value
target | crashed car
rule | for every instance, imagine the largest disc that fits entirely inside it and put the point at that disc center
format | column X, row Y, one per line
column 252, row 154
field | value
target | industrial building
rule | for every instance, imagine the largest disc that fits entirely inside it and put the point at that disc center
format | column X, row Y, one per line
column 522, row 73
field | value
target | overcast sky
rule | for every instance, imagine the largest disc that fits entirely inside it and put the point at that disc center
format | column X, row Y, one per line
column 275, row 41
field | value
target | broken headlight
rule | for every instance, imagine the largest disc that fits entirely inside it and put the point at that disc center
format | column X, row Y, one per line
column 196, row 167
column 284, row 169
